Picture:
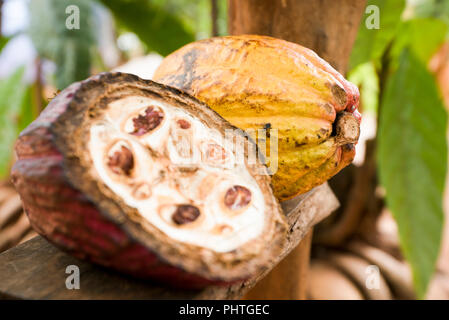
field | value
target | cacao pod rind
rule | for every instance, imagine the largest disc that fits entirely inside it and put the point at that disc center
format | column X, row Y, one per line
column 68, row 204
column 259, row 82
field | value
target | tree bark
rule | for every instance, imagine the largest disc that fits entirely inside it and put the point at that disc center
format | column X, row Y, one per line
column 214, row 17
column 1, row 20
column 329, row 27
column 278, row 284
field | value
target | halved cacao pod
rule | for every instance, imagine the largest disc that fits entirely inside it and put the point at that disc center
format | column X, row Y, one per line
column 259, row 82
column 102, row 174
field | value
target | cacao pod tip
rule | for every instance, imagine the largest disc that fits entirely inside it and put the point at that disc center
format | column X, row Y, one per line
column 347, row 128
column 339, row 94
column 357, row 115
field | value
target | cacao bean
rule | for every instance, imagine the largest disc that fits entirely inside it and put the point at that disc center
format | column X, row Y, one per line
column 121, row 162
column 185, row 213
column 147, row 122
column 237, row 197
column 183, row 124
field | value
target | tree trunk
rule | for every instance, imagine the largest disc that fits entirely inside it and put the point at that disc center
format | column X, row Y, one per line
column 329, row 27
column 1, row 21
column 214, row 17
column 288, row 280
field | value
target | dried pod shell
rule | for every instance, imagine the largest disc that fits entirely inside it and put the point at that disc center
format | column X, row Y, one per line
column 98, row 190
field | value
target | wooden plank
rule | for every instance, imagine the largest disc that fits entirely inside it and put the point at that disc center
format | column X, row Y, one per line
column 36, row 269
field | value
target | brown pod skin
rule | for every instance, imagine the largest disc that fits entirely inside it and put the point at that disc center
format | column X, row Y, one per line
column 68, row 205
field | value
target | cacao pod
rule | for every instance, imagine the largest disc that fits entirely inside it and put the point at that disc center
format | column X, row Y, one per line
column 259, row 82
column 102, row 175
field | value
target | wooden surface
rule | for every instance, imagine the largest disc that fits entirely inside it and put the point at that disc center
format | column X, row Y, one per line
column 36, row 269
column 329, row 27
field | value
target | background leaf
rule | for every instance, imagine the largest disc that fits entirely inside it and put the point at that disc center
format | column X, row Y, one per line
column 70, row 49
column 422, row 35
column 27, row 112
column 412, row 160
column 365, row 77
column 371, row 43
column 3, row 41
column 158, row 28
column 430, row 8
column 14, row 94
column 196, row 15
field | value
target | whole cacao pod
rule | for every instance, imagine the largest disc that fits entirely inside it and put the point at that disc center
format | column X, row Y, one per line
column 259, row 82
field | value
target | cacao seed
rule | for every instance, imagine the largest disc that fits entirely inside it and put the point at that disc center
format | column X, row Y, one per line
column 147, row 122
column 142, row 191
column 237, row 197
column 185, row 213
column 183, row 124
column 122, row 161
column 215, row 153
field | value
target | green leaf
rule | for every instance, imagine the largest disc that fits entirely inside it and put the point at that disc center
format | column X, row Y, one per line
column 158, row 28
column 56, row 37
column 27, row 112
column 195, row 15
column 13, row 94
column 430, row 8
column 422, row 35
column 3, row 42
column 222, row 17
column 73, row 63
column 371, row 43
column 412, row 160
column 366, row 78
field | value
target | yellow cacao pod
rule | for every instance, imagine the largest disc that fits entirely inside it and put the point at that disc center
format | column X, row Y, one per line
column 259, row 82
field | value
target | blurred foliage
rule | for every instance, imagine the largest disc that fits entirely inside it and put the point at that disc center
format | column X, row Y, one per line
column 371, row 43
column 160, row 29
column 222, row 17
column 177, row 22
column 422, row 35
column 3, row 41
column 197, row 15
column 430, row 8
column 163, row 26
column 412, row 147
column 366, row 78
column 15, row 108
column 70, row 49
column 412, row 158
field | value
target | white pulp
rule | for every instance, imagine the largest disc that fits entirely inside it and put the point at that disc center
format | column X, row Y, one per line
column 217, row 228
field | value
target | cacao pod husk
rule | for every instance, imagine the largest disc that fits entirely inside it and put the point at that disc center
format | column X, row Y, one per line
column 97, row 176
column 259, row 82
